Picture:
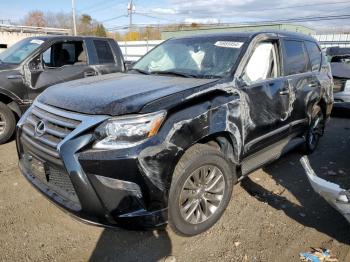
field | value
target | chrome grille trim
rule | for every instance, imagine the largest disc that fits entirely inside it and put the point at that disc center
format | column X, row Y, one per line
column 61, row 126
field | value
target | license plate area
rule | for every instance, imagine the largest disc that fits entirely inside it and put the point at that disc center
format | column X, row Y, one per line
column 38, row 169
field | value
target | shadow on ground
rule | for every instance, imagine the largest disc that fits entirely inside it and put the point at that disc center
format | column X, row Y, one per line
column 330, row 161
column 123, row 245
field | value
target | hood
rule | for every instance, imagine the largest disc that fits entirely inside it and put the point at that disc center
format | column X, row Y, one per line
column 115, row 94
column 340, row 70
column 5, row 66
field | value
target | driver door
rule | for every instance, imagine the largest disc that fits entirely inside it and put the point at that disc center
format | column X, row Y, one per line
column 266, row 92
column 61, row 62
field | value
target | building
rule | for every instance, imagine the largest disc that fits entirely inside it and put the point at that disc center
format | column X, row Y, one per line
column 10, row 34
column 238, row 28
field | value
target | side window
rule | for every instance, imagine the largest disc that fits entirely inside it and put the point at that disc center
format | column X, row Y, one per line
column 104, row 52
column 295, row 57
column 314, row 54
column 65, row 53
column 262, row 64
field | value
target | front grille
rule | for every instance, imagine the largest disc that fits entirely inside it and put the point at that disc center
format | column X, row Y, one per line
column 52, row 181
column 339, row 84
column 60, row 182
column 56, row 129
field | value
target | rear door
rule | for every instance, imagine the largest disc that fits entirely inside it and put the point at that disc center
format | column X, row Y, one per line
column 300, row 81
column 104, row 58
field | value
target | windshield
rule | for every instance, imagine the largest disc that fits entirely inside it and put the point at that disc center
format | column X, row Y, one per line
column 20, row 51
column 210, row 57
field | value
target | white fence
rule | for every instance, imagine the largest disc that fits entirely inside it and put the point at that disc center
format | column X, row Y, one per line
column 328, row 40
column 133, row 50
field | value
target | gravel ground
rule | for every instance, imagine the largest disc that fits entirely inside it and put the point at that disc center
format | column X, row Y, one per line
column 273, row 216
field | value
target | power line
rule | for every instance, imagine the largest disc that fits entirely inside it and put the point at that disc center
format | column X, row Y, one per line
column 298, row 6
column 96, row 4
column 113, row 18
column 155, row 17
column 288, row 20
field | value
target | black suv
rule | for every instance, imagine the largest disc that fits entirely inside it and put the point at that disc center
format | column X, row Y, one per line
column 168, row 140
column 31, row 65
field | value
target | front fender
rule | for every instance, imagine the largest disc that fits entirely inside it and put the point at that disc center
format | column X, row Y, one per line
column 185, row 128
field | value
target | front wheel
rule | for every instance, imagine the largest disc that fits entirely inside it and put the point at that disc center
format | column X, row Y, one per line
column 315, row 131
column 200, row 191
column 7, row 123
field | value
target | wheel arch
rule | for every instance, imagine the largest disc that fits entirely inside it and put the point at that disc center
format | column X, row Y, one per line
column 10, row 101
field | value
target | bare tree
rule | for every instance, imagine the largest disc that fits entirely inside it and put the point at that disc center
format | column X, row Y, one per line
column 35, row 18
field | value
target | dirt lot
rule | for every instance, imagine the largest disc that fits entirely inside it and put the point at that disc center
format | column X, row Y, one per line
column 273, row 216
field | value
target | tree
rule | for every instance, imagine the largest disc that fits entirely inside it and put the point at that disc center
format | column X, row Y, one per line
column 58, row 20
column 35, row 18
column 85, row 25
column 100, row 30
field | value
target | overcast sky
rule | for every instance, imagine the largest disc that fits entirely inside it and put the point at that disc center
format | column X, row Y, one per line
column 175, row 11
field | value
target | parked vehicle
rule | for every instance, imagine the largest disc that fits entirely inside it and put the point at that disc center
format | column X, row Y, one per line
column 168, row 140
column 30, row 66
column 340, row 65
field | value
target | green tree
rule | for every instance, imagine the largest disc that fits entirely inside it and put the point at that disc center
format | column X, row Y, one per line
column 100, row 30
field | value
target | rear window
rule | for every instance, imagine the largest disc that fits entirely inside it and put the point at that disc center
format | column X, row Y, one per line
column 295, row 57
column 104, row 52
column 314, row 54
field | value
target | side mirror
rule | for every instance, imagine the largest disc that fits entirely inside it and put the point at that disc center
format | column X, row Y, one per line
column 35, row 65
column 241, row 82
column 129, row 65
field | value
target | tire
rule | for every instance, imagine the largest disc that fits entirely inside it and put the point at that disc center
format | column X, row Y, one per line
column 197, row 160
column 315, row 131
column 7, row 123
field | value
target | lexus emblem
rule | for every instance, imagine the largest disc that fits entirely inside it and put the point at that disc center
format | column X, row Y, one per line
column 40, row 128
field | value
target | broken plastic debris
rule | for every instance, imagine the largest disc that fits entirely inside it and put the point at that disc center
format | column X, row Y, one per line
column 332, row 193
column 318, row 255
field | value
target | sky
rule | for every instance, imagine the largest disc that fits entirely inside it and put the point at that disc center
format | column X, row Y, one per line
column 113, row 13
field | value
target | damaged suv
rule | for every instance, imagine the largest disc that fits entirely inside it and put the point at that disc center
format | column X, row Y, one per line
column 167, row 141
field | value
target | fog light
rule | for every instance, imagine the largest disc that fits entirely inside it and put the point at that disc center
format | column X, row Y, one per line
column 121, row 185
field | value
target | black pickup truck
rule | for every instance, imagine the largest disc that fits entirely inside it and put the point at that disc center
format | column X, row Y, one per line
column 35, row 63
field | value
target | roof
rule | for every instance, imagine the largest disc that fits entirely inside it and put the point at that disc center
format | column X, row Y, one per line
column 47, row 37
column 280, row 33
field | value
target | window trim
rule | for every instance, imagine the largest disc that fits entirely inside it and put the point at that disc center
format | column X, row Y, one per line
column 277, row 47
column 320, row 53
column 283, row 48
column 111, row 48
column 64, row 41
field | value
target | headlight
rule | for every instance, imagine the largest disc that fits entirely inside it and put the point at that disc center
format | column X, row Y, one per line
column 128, row 131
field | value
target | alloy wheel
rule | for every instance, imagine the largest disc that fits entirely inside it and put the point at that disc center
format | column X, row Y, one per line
column 202, row 194
column 2, row 124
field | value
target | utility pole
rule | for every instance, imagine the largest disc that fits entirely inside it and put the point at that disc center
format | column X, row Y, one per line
column 131, row 9
column 74, row 21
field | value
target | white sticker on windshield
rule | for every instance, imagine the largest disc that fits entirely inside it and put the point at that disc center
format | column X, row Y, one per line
column 36, row 41
column 229, row 44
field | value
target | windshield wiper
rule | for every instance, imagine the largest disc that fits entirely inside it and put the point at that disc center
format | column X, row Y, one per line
column 140, row 71
column 174, row 73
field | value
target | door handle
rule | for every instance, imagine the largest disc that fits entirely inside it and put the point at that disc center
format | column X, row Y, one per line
column 284, row 92
column 313, row 84
column 89, row 73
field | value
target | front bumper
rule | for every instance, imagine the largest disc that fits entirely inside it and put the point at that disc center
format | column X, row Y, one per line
column 332, row 193
column 100, row 187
